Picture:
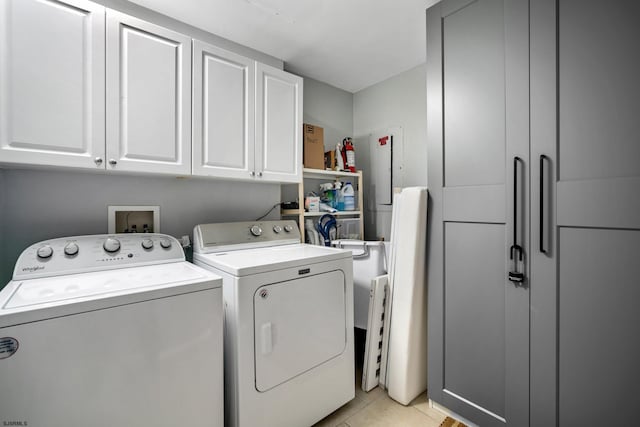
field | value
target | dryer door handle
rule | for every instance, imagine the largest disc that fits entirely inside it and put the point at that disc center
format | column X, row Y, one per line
column 266, row 336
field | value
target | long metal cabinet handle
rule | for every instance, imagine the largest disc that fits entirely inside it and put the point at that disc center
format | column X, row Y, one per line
column 515, row 247
column 515, row 252
column 542, row 159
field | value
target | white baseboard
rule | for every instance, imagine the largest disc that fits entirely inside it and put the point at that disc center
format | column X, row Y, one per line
column 451, row 414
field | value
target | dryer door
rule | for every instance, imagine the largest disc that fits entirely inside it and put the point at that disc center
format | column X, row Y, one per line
column 299, row 324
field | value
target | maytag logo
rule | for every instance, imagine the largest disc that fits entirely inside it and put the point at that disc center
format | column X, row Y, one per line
column 32, row 269
column 15, row 423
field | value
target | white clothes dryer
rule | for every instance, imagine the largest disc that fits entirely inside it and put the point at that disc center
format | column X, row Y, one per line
column 111, row 330
column 289, row 358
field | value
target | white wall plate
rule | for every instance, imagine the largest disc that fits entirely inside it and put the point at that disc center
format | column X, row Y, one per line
column 121, row 218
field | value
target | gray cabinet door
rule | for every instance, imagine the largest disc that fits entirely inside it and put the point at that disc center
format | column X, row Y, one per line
column 478, row 123
column 585, row 203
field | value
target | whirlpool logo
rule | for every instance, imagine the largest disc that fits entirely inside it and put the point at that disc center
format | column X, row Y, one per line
column 33, row 269
column 8, row 346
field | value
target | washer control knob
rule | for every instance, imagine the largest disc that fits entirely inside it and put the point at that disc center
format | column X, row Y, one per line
column 71, row 249
column 111, row 245
column 45, row 252
column 288, row 228
column 165, row 243
column 147, row 244
column 256, row 230
column 277, row 229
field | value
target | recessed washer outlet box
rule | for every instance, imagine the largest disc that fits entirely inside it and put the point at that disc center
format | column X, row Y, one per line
column 133, row 219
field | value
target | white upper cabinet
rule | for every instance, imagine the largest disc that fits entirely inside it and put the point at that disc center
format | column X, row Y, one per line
column 278, row 125
column 247, row 118
column 223, row 113
column 148, row 97
column 52, row 77
column 86, row 86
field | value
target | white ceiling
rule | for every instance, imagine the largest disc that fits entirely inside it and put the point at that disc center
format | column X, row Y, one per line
column 350, row 44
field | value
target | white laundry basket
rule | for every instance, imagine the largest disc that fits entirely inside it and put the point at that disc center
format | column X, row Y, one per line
column 369, row 261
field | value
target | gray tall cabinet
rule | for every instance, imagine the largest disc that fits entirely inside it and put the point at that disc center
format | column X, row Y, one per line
column 534, row 174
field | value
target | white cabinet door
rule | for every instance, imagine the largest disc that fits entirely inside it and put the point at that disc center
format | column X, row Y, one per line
column 52, row 80
column 148, row 97
column 278, row 125
column 223, row 113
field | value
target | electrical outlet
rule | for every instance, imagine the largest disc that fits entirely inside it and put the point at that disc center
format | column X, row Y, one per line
column 133, row 219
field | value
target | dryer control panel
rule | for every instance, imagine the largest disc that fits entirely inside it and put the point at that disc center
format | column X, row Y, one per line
column 96, row 252
column 224, row 236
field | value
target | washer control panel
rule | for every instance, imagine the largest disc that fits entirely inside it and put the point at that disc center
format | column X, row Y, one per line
column 96, row 252
column 241, row 235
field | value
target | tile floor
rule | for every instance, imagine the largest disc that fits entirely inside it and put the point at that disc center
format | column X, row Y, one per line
column 377, row 409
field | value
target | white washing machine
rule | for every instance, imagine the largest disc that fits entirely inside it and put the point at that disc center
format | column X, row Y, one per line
column 288, row 322
column 111, row 330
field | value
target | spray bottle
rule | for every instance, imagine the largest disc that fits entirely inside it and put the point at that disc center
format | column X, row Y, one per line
column 339, row 158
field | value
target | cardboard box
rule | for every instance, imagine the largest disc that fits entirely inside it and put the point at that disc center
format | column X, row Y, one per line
column 313, row 140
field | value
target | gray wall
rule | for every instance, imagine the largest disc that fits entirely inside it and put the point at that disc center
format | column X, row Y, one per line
column 398, row 101
column 38, row 205
column 328, row 107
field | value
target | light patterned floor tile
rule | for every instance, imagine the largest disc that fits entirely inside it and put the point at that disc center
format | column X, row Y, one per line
column 377, row 409
column 371, row 395
column 340, row 415
column 385, row 412
column 421, row 403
